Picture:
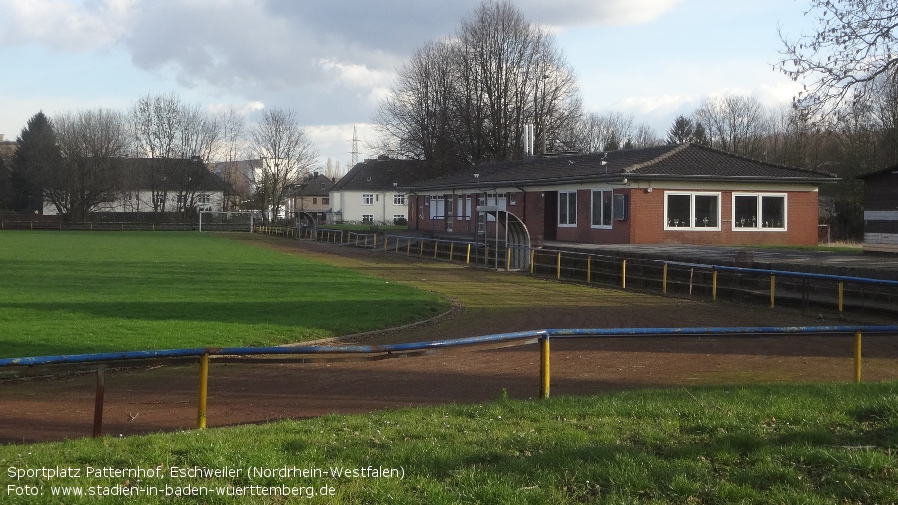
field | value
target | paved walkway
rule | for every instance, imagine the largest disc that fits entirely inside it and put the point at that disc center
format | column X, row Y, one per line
column 881, row 266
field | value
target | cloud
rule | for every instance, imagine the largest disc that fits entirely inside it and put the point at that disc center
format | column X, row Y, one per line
column 64, row 25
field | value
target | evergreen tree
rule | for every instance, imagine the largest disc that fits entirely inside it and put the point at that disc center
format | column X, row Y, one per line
column 681, row 131
column 36, row 154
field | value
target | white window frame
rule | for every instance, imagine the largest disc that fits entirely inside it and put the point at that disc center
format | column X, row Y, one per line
column 398, row 199
column 692, row 195
column 759, row 226
column 512, row 199
column 569, row 223
column 367, row 199
column 592, row 208
column 367, row 218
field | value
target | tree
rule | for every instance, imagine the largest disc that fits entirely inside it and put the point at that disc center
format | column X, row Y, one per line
column 229, row 152
column 93, row 145
column 178, row 138
column 284, row 153
column 469, row 97
column 852, row 45
column 735, row 123
column 36, row 154
column 681, row 131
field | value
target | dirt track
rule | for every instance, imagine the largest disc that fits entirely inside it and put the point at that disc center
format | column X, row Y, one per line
column 164, row 398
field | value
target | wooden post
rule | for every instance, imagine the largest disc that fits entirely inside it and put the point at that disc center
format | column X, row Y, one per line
column 624, row 275
column 98, row 400
column 857, row 357
column 664, row 279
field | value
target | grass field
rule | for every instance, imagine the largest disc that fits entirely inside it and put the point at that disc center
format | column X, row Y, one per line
column 76, row 292
column 795, row 444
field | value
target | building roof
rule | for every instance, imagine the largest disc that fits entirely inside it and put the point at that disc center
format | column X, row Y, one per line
column 170, row 175
column 314, row 185
column 385, row 174
column 681, row 162
column 890, row 170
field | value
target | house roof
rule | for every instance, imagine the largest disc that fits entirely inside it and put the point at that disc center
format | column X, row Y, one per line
column 682, row 162
column 890, row 170
column 170, row 175
column 384, row 174
column 315, row 185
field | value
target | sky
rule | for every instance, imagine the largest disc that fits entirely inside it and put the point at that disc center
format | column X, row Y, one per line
column 332, row 61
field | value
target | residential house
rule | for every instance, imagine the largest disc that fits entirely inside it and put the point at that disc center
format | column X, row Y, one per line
column 370, row 192
column 309, row 201
column 881, row 210
column 162, row 186
column 682, row 194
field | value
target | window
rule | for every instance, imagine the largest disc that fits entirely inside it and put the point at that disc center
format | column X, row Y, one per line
column 367, row 199
column 512, row 199
column 314, row 201
column 325, row 201
column 367, row 219
column 759, row 211
column 398, row 199
column 203, row 199
column 567, row 208
column 438, row 207
column 620, row 207
column 692, row 211
column 601, row 208
column 158, row 199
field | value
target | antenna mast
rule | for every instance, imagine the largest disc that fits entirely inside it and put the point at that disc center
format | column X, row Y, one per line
column 355, row 148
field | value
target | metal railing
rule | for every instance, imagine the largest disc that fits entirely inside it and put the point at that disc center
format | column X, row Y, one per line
column 368, row 352
column 676, row 278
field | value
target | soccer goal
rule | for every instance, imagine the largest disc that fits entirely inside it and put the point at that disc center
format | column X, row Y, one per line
column 227, row 221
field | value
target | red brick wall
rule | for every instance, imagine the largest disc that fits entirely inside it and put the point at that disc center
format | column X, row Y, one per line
column 647, row 215
column 644, row 223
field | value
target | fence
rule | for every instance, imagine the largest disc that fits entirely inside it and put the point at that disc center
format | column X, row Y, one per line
column 675, row 278
column 543, row 337
column 99, row 226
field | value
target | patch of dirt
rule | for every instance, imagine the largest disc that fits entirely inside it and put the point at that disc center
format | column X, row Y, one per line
column 143, row 400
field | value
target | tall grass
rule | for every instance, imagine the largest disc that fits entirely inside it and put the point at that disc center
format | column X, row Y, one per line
column 78, row 292
column 801, row 444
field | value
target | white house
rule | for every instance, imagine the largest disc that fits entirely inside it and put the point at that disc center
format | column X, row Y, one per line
column 369, row 193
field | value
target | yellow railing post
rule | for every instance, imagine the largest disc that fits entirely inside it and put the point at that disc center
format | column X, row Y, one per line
column 841, row 297
column 203, row 394
column 507, row 259
column 714, row 285
column 623, row 275
column 772, row 290
column 375, row 242
column 532, row 259
column 387, row 241
column 408, row 247
column 436, row 245
column 589, row 269
column 544, row 375
column 857, row 357
column 664, row 280
column 451, row 250
column 468, row 257
column 559, row 266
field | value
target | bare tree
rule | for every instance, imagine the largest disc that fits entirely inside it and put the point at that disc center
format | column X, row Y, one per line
column 469, row 97
column 284, row 154
column 230, row 149
column 179, row 139
column 603, row 132
column 734, row 123
column 852, row 45
column 93, row 144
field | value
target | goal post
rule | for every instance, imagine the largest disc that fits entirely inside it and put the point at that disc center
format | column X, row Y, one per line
column 226, row 221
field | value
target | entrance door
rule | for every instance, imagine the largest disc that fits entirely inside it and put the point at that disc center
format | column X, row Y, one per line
column 550, row 215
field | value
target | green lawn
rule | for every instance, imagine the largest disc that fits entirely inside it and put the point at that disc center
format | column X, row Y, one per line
column 81, row 292
column 794, row 444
